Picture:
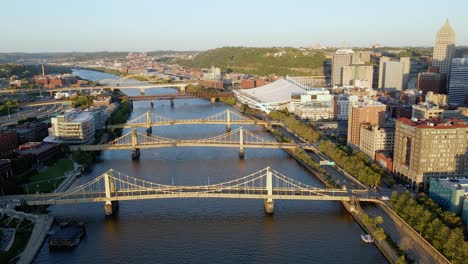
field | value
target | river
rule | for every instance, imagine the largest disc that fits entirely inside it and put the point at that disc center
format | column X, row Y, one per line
column 210, row 230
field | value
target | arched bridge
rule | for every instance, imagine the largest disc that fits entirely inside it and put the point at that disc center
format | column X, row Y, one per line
column 238, row 138
column 226, row 117
column 266, row 184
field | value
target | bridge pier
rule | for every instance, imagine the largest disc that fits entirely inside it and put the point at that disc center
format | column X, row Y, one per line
column 213, row 100
column 172, row 102
column 136, row 154
column 269, row 206
column 149, row 130
column 228, row 121
column 111, row 207
column 142, row 91
column 152, row 104
column 241, row 143
column 241, row 153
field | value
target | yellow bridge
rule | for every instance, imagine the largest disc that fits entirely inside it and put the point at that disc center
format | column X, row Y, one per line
column 266, row 184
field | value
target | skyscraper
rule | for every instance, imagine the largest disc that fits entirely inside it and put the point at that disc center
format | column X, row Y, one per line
column 406, row 71
column 444, row 49
column 458, row 88
column 429, row 149
column 342, row 57
column 368, row 111
column 358, row 76
column 394, row 74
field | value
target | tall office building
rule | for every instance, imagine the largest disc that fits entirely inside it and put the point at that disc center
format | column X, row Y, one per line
column 406, row 70
column 392, row 76
column 358, row 76
column 430, row 149
column 382, row 62
column 444, row 48
column 430, row 82
column 458, row 86
column 371, row 112
column 342, row 57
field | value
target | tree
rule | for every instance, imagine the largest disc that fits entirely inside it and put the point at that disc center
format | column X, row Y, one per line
column 379, row 234
column 401, row 260
column 454, row 245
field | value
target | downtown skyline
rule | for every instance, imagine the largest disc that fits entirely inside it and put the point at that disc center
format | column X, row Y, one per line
column 49, row 26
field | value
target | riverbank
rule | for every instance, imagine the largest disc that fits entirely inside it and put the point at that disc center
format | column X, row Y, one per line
column 34, row 236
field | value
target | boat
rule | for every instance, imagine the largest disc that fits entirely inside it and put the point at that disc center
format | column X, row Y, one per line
column 67, row 236
column 367, row 238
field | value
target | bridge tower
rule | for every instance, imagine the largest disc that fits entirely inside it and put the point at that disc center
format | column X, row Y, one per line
column 149, row 129
column 269, row 204
column 110, row 207
column 135, row 149
column 228, row 121
column 241, row 143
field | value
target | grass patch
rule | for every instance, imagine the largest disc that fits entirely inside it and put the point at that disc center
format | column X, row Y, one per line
column 23, row 233
column 46, row 180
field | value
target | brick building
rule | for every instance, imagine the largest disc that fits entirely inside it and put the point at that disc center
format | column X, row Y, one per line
column 426, row 149
column 8, row 142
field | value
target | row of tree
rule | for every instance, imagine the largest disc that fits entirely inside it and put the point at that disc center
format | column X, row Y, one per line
column 8, row 106
column 443, row 230
column 355, row 163
column 301, row 129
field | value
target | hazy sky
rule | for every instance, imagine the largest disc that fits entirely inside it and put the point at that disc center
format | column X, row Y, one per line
column 147, row 25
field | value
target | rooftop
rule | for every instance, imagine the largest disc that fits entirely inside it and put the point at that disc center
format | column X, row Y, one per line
column 434, row 123
column 276, row 92
column 344, row 51
column 455, row 184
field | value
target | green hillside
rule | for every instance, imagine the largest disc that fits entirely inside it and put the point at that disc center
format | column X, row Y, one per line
column 259, row 61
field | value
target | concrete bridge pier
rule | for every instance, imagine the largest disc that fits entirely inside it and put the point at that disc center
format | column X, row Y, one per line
column 228, row 121
column 136, row 154
column 269, row 206
column 241, row 153
column 149, row 131
column 172, row 102
column 241, row 143
column 111, row 207
column 213, row 100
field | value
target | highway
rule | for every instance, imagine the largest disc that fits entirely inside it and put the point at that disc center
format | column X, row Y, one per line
column 28, row 112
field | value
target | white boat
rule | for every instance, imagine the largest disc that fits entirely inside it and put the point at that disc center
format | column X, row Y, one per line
column 367, row 238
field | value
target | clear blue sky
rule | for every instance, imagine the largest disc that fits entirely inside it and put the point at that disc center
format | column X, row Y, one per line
column 147, row 25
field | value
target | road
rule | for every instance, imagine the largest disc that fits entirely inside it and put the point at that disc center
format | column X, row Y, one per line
column 405, row 242
column 334, row 172
column 29, row 112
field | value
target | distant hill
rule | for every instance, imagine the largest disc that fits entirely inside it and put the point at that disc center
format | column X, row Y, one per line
column 77, row 56
column 259, row 61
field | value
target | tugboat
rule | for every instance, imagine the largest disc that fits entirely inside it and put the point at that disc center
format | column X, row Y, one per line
column 68, row 236
column 367, row 238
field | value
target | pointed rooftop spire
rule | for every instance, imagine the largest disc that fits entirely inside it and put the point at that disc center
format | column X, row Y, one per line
column 446, row 28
